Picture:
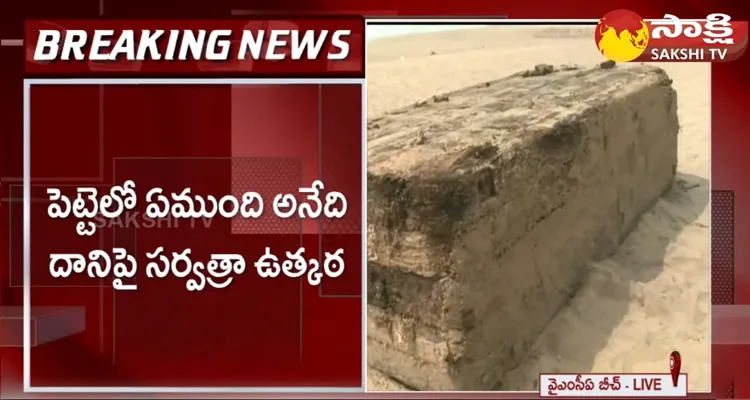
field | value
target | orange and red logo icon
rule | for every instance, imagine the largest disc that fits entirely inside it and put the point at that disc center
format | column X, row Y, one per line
column 623, row 36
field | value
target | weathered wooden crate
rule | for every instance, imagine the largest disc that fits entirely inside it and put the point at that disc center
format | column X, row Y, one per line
column 486, row 204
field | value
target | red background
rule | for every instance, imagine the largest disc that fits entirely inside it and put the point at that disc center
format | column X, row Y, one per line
column 255, row 333
column 733, row 51
column 730, row 85
column 352, row 66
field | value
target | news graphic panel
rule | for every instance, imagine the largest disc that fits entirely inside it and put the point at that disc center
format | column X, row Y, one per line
column 294, row 48
column 532, row 225
column 554, row 239
column 187, row 233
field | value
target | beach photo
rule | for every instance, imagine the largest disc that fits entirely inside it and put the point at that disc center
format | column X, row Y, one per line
column 532, row 208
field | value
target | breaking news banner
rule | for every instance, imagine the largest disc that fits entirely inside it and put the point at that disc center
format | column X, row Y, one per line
column 623, row 36
column 330, row 45
column 613, row 385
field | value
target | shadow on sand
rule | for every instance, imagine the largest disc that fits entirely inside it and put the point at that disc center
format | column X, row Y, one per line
column 583, row 328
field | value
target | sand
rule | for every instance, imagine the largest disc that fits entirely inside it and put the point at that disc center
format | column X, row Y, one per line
column 652, row 296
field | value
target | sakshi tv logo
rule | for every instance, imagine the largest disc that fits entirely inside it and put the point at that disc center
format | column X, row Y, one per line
column 623, row 36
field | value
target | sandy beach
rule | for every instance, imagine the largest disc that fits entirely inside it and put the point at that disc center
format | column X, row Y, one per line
column 652, row 296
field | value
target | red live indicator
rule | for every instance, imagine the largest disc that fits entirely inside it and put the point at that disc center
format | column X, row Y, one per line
column 675, row 362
